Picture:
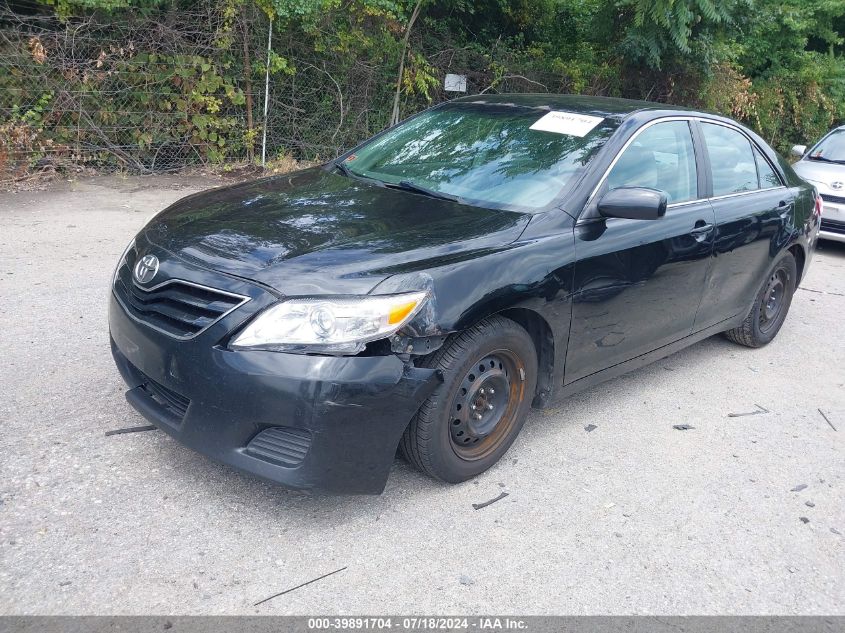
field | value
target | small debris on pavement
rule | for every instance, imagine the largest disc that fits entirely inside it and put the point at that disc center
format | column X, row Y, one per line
column 760, row 410
column 798, row 488
column 835, row 531
column 131, row 429
column 826, row 419
column 281, row 593
column 617, row 534
column 683, row 427
column 804, row 520
column 590, row 428
column 466, row 580
column 809, row 504
column 478, row 506
column 64, row 583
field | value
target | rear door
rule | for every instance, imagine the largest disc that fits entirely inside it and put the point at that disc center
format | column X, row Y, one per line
column 751, row 206
column 638, row 283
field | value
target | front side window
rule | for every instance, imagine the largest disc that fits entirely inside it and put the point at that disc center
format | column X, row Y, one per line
column 485, row 154
column 661, row 157
column 731, row 160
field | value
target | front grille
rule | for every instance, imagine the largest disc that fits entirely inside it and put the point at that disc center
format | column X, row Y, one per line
column 280, row 445
column 175, row 403
column 833, row 226
column 833, row 199
column 175, row 307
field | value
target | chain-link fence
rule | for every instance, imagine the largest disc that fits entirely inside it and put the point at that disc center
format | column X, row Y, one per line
column 182, row 88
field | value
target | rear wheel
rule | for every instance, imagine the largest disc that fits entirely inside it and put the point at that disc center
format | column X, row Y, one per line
column 470, row 421
column 770, row 307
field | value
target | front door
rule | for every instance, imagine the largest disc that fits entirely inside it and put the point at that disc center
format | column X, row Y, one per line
column 638, row 283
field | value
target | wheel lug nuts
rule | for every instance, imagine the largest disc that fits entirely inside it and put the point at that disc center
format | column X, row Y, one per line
column 477, row 416
column 481, row 391
column 489, row 407
column 492, row 392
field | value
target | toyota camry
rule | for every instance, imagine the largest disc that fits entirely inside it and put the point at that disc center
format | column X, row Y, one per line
column 424, row 290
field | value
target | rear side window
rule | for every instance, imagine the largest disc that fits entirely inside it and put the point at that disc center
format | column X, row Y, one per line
column 731, row 160
column 661, row 157
column 767, row 176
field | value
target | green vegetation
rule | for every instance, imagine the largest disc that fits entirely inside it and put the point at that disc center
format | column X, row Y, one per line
column 160, row 83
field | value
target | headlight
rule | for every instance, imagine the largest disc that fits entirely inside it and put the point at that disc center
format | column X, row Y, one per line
column 329, row 324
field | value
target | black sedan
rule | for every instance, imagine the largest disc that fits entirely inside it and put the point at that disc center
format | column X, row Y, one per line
column 427, row 288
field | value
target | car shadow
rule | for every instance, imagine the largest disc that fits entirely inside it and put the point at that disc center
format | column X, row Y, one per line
column 828, row 247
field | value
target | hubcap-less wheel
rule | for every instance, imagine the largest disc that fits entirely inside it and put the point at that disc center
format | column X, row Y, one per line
column 771, row 305
column 488, row 377
column 485, row 405
column 772, row 301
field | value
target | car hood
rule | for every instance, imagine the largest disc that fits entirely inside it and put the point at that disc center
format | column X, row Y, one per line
column 315, row 232
column 823, row 175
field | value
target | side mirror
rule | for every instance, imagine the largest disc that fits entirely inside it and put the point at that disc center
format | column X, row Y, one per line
column 634, row 203
column 798, row 151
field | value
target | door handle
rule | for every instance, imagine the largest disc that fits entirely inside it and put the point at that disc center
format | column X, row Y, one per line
column 700, row 231
column 784, row 207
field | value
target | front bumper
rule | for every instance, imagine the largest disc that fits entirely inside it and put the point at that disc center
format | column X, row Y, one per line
column 307, row 422
column 834, row 232
column 833, row 218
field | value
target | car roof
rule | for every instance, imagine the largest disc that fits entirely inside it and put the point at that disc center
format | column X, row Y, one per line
column 607, row 107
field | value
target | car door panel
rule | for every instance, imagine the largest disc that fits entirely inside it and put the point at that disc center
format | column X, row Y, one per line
column 747, row 226
column 751, row 208
column 637, row 285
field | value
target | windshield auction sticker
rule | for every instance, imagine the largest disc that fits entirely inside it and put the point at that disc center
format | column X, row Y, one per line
column 570, row 123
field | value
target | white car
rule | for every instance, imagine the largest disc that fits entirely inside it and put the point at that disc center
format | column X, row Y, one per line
column 824, row 167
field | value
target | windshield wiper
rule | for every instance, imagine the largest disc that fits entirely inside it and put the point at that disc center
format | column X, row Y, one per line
column 343, row 169
column 827, row 160
column 410, row 186
column 402, row 184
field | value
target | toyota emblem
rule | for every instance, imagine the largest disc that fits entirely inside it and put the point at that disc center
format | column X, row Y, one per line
column 836, row 185
column 146, row 268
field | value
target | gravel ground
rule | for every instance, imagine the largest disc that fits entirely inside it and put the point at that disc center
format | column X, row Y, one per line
column 739, row 515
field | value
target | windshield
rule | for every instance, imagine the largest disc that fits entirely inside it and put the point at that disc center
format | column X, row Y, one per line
column 486, row 155
column 830, row 148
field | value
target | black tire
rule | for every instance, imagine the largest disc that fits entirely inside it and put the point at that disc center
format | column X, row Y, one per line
column 491, row 365
column 771, row 305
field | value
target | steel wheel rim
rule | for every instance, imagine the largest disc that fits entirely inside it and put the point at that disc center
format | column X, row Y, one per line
column 773, row 300
column 484, row 409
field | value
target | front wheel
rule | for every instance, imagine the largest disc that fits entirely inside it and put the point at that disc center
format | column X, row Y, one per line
column 770, row 307
column 470, row 421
